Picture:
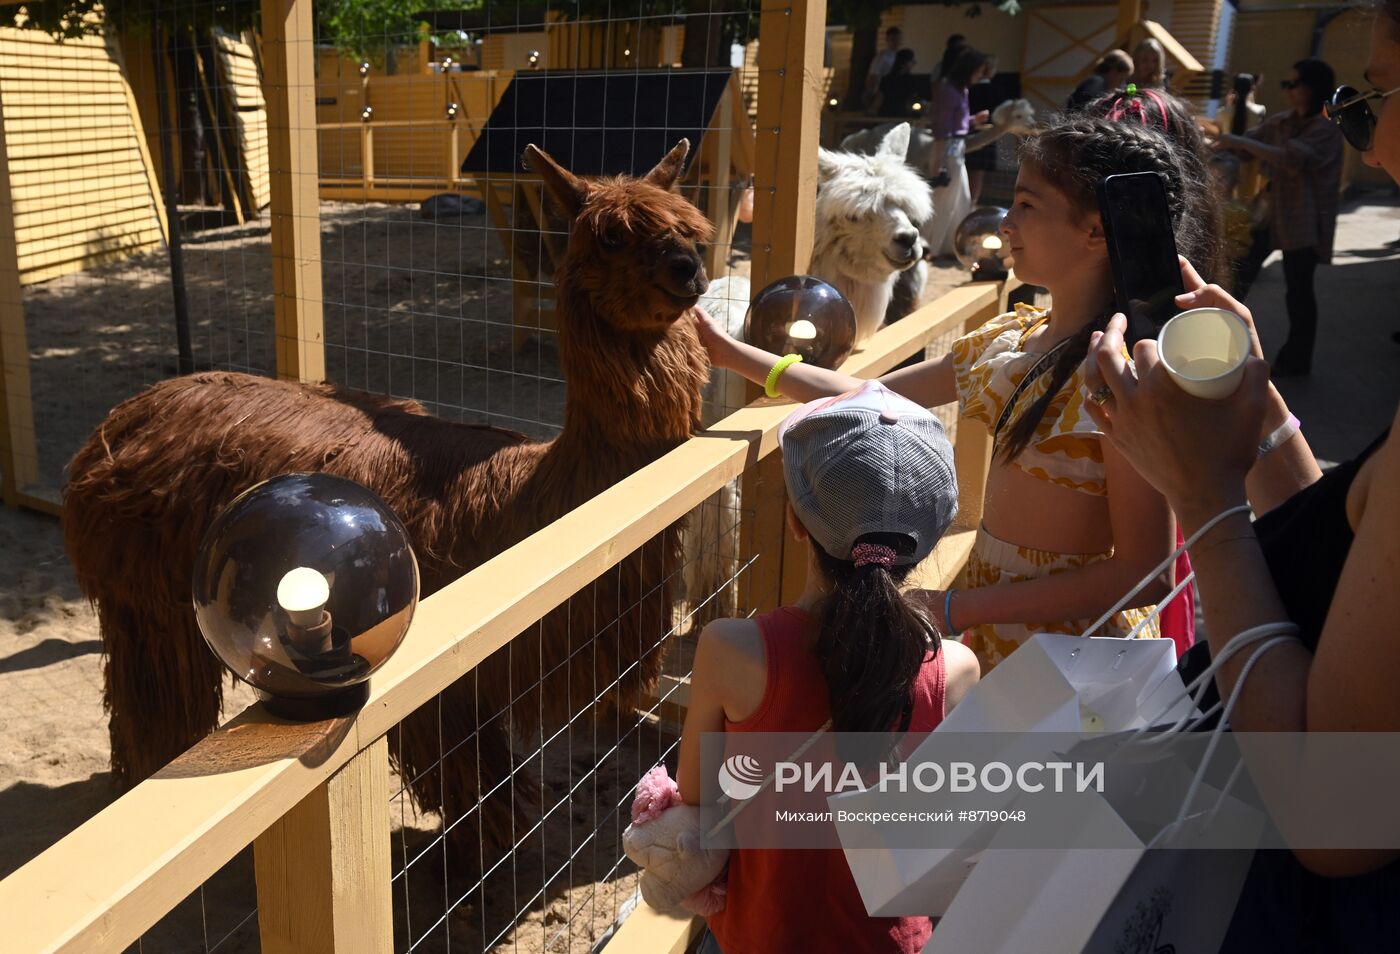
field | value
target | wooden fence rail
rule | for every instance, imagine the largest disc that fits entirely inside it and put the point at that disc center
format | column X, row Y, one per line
column 308, row 795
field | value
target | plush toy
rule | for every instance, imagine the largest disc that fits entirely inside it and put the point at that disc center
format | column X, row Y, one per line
column 667, row 841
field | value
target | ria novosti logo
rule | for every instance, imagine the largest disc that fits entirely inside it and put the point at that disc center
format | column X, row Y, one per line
column 740, row 777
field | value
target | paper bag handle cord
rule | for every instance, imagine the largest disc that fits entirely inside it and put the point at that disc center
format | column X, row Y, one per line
column 797, row 754
column 1219, row 732
column 1161, row 568
column 1238, row 642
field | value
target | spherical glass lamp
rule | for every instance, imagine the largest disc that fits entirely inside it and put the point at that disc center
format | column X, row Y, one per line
column 802, row 315
column 979, row 245
column 303, row 586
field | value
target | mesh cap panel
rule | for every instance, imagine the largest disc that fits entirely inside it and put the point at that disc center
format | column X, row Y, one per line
column 869, row 462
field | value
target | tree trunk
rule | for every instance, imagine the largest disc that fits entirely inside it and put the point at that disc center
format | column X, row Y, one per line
column 704, row 44
column 863, row 43
column 189, row 122
column 172, row 206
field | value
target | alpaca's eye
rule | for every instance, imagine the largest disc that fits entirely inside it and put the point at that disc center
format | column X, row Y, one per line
column 853, row 217
column 612, row 240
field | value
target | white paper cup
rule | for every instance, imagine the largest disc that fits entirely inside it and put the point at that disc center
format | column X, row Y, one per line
column 1204, row 351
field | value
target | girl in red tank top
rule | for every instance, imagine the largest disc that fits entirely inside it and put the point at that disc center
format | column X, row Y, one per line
column 871, row 488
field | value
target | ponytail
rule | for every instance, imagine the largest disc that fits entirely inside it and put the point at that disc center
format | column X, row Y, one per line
column 872, row 641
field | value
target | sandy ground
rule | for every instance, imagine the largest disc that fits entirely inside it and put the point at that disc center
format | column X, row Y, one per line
column 413, row 308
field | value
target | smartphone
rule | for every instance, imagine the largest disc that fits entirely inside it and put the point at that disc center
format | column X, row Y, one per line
column 1142, row 250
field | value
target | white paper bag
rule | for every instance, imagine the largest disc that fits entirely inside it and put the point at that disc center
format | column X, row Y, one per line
column 1159, row 897
column 1053, row 683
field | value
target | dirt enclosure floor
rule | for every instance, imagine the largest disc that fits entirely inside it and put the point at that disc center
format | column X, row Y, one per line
column 413, row 308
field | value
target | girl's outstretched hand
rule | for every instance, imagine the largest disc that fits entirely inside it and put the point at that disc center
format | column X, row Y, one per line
column 1200, row 295
column 1194, row 451
column 716, row 340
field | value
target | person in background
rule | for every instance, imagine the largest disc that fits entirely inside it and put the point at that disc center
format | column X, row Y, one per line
column 882, row 64
column 1301, row 152
column 1111, row 72
column 1149, row 65
column 1241, row 113
column 898, row 89
column 950, row 121
column 871, row 490
column 982, row 98
column 1238, row 116
column 955, row 45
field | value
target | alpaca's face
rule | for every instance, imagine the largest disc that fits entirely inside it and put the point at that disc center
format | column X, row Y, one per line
column 869, row 210
column 637, row 248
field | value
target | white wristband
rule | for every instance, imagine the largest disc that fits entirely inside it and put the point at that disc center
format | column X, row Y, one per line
column 1276, row 437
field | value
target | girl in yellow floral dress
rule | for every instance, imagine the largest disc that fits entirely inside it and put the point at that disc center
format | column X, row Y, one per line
column 1067, row 525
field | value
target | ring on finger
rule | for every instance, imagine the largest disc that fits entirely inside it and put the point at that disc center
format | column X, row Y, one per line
column 1101, row 395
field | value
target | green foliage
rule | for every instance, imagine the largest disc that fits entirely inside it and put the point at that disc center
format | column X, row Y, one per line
column 71, row 18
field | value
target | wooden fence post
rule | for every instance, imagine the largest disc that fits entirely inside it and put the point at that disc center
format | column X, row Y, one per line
column 289, row 64
column 19, row 454
column 791, row 42
column 323, row 869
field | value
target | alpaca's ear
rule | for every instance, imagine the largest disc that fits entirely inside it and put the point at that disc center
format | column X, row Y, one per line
column 895, row 143
column 828, row 163
column 568, row 188
column 668, row 170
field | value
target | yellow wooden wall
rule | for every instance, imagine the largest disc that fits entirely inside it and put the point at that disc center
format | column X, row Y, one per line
column 243, row 85
column 415, row 147
column 81, row 179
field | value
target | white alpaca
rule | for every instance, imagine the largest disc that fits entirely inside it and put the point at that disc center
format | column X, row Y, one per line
column 870, row 209
column 935, row 158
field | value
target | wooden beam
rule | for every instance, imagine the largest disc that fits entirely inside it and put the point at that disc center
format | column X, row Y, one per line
column 323, row 870
column 290, row 86
column 647, row 931
column 1129, row 13
column 791, row 42
column 19, row 453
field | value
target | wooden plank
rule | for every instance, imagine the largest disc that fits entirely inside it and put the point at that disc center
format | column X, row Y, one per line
column 19, row 454
column 785, row 188
column 103, row 885
column 289, row 59
column 647, row 931
column 323, row 870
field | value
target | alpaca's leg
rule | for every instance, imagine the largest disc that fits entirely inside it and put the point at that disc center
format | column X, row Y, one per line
column 163, row 688
column 455, row 756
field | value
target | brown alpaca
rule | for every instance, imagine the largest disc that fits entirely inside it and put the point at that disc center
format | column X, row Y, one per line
column 145, row 486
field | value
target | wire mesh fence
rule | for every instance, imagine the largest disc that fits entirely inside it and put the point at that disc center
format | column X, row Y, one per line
column 142, row 170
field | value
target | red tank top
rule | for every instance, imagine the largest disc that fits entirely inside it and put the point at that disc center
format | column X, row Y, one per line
column 796, row 900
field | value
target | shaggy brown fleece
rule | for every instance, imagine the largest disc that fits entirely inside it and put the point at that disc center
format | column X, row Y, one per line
column 151, row 479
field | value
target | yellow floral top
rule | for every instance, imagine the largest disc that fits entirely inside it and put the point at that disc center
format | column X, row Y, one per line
column 990, row 362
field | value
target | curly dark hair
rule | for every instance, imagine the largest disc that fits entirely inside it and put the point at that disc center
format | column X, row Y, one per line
column 1077, row 154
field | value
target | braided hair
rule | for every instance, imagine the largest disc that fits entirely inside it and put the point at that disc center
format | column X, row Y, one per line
column 1076, row 155
column 1160, row 110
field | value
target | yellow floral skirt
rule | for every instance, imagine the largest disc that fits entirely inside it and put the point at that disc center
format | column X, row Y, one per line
column 994, row 562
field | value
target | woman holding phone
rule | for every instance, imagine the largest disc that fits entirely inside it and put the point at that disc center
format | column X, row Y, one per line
column 1324, row 554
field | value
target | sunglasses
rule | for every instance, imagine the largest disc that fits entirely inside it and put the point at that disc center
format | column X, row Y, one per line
column 1288, row 84
column 1351, row 111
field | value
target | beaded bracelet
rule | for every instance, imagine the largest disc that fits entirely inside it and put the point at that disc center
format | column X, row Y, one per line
column 770, row 386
